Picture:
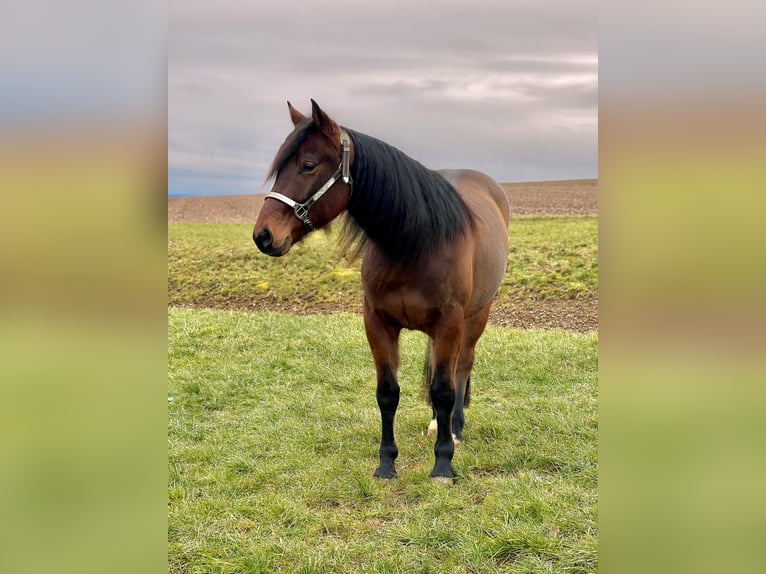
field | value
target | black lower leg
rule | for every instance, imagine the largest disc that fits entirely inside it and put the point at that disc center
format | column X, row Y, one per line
column 443, row 400
column 388, row 400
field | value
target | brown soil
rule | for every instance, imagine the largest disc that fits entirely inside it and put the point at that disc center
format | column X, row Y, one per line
column 571, row 315
column 547, row 198
column 569, row 197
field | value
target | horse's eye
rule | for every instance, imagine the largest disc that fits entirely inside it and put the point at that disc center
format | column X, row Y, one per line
column 308, row 166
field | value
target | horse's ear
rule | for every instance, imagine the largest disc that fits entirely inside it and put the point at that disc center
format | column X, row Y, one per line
column 295, row 115
column 324, row 122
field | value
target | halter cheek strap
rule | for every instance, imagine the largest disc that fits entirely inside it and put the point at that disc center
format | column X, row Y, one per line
column 343, row 172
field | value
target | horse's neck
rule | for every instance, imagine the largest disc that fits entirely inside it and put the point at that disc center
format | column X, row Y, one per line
column 403, row 207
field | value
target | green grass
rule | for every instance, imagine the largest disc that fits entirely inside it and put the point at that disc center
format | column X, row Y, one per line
column 273, row 438
column 217, row 265
column 554, row 257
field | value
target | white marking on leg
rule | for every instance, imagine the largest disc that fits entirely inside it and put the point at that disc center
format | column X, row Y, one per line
column 456, row 440
column 432, row 427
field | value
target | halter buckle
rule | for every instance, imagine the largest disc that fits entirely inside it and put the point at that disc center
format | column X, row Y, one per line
column 301, row 212
column 346, row 161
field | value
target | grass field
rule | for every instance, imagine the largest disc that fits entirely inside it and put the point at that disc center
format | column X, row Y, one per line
column 274, row 430
column 217, row 265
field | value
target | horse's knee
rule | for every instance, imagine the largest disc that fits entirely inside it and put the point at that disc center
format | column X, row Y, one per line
column 442, row 391
column 387, row 392
column 388, row 400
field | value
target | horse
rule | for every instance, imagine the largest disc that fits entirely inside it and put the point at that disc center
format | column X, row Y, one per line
column 434, row 249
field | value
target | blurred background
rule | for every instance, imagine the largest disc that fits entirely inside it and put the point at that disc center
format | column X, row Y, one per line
column 682, row 283
column 83, row 177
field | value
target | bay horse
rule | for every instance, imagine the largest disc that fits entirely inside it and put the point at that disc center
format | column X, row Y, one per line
column 435, row 249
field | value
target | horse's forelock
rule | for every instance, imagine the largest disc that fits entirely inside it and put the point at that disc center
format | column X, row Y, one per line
column 290, row 146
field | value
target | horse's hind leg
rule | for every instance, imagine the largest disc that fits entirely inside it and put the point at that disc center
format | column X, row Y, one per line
column 474, row 327
column 384, row 344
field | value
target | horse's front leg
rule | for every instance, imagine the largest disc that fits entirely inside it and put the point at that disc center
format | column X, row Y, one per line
column 384, row 344
column 447, row 339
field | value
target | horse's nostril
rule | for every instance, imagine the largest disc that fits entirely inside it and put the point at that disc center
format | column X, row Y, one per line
column 263, row 240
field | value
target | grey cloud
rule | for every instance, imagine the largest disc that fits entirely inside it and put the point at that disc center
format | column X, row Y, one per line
column 507, row 87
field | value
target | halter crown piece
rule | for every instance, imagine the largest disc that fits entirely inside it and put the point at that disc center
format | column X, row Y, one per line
column 343, row 172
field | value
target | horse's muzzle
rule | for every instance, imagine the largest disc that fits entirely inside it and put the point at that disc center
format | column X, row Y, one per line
column 265, row 242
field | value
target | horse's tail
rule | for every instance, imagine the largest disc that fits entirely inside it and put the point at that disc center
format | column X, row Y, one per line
column 467, row 397
column 427, row 371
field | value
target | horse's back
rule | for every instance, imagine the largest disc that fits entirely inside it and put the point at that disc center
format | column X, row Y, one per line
column 476, row 188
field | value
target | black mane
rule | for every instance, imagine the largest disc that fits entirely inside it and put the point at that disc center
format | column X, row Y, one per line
column 402, row 207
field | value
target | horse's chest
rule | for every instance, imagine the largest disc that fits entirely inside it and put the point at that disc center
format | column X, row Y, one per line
column 416, row 295
column 413, row 304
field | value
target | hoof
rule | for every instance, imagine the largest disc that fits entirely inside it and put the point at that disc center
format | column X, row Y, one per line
column 443, row 480
column 442, row 472
column 432, row 428
column 385, row 474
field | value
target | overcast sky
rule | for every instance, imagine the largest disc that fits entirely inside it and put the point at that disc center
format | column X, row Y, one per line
column 507, row 87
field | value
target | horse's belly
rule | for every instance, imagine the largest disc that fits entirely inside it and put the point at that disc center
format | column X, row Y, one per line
column 488, row 276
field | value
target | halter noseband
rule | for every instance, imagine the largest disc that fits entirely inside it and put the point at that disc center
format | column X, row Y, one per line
column 343, row 172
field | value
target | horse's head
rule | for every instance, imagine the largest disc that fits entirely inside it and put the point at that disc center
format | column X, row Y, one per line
column 312, row 185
